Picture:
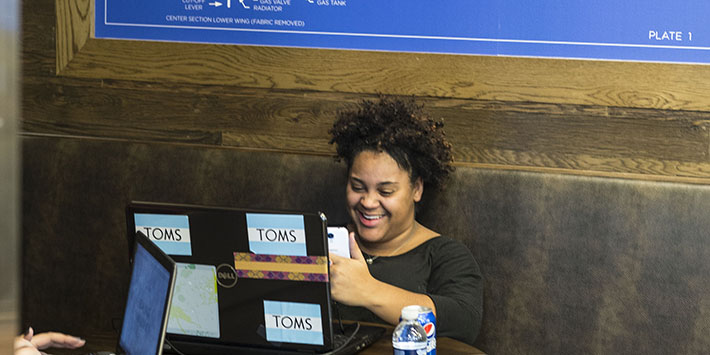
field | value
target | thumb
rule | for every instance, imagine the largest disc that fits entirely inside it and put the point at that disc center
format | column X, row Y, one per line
column 29, row 334
column 355, row 252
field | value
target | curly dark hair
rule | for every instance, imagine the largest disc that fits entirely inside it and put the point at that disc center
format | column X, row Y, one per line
column 400, row 128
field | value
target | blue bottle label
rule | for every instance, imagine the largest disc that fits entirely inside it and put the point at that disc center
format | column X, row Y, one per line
column 410, row 352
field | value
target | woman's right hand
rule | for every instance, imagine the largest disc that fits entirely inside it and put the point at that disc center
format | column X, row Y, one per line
column 350, row 281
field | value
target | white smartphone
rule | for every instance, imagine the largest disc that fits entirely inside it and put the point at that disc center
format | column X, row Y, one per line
column 338, row 241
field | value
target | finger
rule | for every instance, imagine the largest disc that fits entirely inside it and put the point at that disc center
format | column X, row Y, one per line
column 67, row 341
column 57, row 340
column 334, row 258
column 355, row 252
column 30, row 333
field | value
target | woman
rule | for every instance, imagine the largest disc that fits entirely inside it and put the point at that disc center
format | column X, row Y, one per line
column 393, row 152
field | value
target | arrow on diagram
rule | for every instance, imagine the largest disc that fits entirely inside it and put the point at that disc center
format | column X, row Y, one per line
column 216, row 4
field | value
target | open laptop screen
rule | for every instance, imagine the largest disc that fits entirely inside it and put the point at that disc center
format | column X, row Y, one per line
column 149, row 291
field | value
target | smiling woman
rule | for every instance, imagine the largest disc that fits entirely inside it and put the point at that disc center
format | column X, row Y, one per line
column 394, row 151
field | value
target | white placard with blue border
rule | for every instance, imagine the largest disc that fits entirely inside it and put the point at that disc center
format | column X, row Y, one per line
column 276, row 234
column 171, row 233
column 293, row 322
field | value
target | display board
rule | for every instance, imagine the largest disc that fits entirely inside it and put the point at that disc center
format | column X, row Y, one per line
column 650, row 30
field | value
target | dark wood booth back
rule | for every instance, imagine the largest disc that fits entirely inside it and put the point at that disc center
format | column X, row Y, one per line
column 572, row 265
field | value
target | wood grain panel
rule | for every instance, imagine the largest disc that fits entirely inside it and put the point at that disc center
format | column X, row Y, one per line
column 535, row 135
column 38, row 40
column 122, row 112
column 586, row 165
column 641, row 85
column 72, row 30
column 674, row 138
column 289, row 144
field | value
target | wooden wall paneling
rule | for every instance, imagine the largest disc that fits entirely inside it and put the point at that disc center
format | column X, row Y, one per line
column 580, row 117
column 566, row 138
column 602, row 141
column 642, row 85
column 191, row 114
column 674, row 138
column 38, row 43
column 72, row 31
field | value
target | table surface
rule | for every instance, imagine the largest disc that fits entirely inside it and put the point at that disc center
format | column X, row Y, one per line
column 444, row 346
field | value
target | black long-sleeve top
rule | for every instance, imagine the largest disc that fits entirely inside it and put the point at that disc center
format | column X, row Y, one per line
column 445, row 270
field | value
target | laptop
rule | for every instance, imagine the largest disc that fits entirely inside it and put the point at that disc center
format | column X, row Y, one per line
column 248, row 281
column 150, row 293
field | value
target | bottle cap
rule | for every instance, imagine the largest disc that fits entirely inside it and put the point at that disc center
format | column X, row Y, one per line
column 410, row 312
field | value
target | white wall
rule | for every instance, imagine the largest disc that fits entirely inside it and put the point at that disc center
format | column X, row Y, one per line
column 9, row 172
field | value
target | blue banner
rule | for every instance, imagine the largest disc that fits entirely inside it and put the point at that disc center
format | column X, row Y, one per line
column 650, row 30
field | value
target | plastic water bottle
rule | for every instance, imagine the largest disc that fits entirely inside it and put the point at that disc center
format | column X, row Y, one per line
column 409, row 338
